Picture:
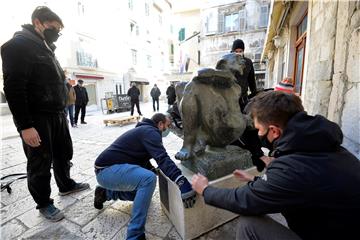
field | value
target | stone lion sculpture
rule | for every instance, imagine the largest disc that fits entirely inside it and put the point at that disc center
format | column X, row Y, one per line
column 209, row 107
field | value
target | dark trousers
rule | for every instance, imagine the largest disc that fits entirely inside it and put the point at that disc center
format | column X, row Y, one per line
column 157, row 101
column 56, row 148
column 83, row 112
column 263, row 227
column 135, row 102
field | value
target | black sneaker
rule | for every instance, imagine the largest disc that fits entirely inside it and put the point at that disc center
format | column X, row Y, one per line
column 100, row 197
column 77, row 188
column 83, row 122
column 51, row 213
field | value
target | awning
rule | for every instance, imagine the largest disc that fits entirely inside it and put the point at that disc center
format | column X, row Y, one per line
column 142, row 81
column 88, row 76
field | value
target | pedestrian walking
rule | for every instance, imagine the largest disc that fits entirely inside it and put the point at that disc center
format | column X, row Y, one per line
column 70, row 103
column 35, row 88
column 82, row 100
column 124, row 171
column 134, row 94
column 155, row 94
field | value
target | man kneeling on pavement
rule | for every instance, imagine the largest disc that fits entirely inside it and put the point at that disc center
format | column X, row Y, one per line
column 124, row 171
column 313, row 181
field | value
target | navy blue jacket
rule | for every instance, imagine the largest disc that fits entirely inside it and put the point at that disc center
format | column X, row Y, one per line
column 313, row 182
column 137, row 146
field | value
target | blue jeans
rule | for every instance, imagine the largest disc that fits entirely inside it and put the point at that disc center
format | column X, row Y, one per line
column 132, row 183
column 70, row 112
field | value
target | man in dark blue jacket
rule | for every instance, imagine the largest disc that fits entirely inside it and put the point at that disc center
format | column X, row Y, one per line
column 124, row 171
column 35, row 88
column 313, row 181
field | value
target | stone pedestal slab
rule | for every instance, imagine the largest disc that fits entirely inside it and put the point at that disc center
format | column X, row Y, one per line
column 193, row 222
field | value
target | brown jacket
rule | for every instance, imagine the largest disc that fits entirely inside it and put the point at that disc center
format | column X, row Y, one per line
column 71, row 97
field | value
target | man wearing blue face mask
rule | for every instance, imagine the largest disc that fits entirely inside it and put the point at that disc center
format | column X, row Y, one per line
column 35, row 88
column 124, row 171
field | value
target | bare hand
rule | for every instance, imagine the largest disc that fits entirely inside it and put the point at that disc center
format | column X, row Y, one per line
column 266, row 159
column 199, row 183
column 31, row 137
column 243, row 175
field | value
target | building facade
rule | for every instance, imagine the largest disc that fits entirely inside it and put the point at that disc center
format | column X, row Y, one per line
column 224, row 21
column 317, row 44
column 108, row 45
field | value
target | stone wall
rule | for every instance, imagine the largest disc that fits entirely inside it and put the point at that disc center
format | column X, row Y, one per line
column 333, row 76
column 322, row 32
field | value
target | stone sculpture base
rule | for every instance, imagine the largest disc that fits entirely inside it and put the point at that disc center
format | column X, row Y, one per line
column 193, row 222
column 218, row 162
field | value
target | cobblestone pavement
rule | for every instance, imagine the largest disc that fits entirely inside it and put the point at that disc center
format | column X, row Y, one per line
column 20, row 219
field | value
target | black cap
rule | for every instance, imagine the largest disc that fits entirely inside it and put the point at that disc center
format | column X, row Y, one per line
column 80, row 81
column 238, row 43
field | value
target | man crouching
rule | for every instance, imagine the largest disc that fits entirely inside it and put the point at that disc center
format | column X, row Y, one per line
column 124, row 171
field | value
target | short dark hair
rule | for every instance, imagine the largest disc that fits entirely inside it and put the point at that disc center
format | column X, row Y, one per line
column 274, row 107
column 159, row 117
column 80, row 81
column 44, row 14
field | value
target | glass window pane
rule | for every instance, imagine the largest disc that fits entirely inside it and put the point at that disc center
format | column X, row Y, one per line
column 298, row 77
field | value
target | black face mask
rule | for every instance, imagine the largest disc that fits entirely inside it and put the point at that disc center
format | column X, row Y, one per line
column 51, row 35
column 265, row 142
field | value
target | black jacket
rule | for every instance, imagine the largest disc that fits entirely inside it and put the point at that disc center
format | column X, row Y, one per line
column 155, row 93
column 81, row 96
column 247, row 80
column 137, row 146
column 171, row 95
column 34, row 82
column 134, row 93
column 313, row 182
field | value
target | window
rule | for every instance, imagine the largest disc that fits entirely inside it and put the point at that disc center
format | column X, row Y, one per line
column 81, row 9
column 148, row 60
column 242, row 20
column 85, row 59
column 264, row 16
column 134, row 56
column 182, row 34
column 147, row 9
column 211, row 23
column 232, row 22
column 131, row 4
column 301, row 28
column 199, row 58
column 160, row 19
column 300, row 54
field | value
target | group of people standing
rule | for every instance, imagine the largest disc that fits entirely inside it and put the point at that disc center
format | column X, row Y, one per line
column 78, row 98
column 155, row 93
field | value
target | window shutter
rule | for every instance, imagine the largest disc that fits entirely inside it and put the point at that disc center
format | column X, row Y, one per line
column 221, row 23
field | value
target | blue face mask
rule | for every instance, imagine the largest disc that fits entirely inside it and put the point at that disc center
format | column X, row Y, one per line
column 166, row 132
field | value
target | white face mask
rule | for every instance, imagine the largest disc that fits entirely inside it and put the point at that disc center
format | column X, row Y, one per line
column 165, row 132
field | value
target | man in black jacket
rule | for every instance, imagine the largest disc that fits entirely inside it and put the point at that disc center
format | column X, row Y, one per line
column 81, row 101
column 313, row 181
column 155, row 94
column 35, row 88
column 245, row 79
column 124, row 171
column 134, row 94
column 171, row 94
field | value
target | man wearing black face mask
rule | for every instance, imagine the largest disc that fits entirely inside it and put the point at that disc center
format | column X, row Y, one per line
column 124, row 171
column 35, row 88
column 313, row 181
